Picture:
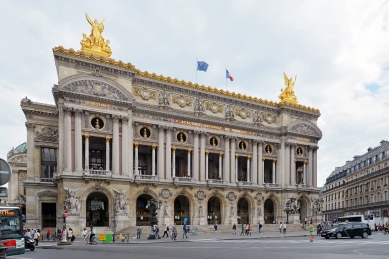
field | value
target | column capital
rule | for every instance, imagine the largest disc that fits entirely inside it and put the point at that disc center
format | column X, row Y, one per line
column 227, row 137
column 221, row 154
column 277, row 145
column 136, row 145
column 248, row 157
column 67, row 110
column 86, row 137
column 173, row 149
column 115, row 118
column 77, row 112
column 287, row 144
column 169, row 129
column 274, row 160
column 206, row 153
column 263, row 160
column 204, row 134
column 315, row 148
column 107, row 139
column 124, row 119
column 153, row 147
column 189, row 151
column 161, row 128
column 305, row 162
column 196, row 132
column 259, row 141
column 30, row 126
column 236, row 155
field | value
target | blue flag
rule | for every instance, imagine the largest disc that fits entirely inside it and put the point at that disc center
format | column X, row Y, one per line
column 202, row 66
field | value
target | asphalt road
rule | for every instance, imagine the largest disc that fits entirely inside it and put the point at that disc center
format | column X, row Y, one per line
column 376, row 246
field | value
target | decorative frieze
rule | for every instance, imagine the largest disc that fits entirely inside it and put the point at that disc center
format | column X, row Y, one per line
column 144, row 93
column 47, row 134
column 182, row 101
column 214, row 107
column 243, row 113
column 269, row 118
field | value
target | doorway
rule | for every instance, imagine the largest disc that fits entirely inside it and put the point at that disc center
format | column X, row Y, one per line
column 269, row 212
column 243, row 211
column 214, row 212
column 181, row 210
column 97, row 210
column 49, row 215
column 142, row 214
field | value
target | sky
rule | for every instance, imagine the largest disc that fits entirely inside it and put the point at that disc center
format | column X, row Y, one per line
column 339, row 51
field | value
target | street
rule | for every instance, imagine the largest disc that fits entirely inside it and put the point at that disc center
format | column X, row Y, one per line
column 223, row 246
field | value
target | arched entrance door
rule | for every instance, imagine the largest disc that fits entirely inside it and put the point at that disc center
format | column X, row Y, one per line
column 142, row 214
column 181, row 210
column 303, row 210
column 97, row 210
column 269, row 211
column 385, row 213
column 243, row 211
column 214, row 212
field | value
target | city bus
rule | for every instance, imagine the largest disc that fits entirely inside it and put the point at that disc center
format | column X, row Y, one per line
column 11, row 226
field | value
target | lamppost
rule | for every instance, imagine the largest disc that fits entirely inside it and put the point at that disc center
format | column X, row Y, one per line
column 287, row 210
column 153, row 205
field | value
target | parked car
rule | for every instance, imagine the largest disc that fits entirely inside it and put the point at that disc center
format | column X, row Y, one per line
column 350, row 230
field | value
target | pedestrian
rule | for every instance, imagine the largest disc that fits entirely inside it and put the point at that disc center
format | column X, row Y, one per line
column 242, row 234
column 318, row 229
column 28, row 234
column 311, row 231
column 174, row 232
column 305, row 221
column 70, row 235
column 32, row 232
column 281, row 228
column 234, row 229
column 215, row 226
column 185, row 230
column 284, row 228
column 48, row 234
column 36, row 237
column 259, row 228
column 138, row 232
column 58, row 233
column 84, row 234
column 156, row 229
column 248, row 229
column 165, row 230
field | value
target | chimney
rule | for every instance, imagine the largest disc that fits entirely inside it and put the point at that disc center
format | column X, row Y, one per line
column 383, row 142
column 369, row 149
column 355, row 157
column 348, row 161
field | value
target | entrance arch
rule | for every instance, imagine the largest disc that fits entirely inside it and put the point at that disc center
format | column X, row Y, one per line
column 269, row 211
column 142, row 214
column 243, row 211
column 97, row 210
column 181, row 210
column 214, row 211
column 385, row 214
column 303, row 209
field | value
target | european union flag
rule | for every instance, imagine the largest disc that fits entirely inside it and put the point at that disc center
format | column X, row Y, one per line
column 202, row 66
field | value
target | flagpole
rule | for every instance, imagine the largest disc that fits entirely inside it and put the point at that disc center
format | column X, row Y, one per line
column 196, row 69
column 226, row 76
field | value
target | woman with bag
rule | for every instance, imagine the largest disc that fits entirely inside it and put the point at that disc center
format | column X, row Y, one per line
column 70, row 235
column 36, row 237
column 311, row 231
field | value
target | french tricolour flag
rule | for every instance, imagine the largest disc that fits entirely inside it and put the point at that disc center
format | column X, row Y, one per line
column 228, row 75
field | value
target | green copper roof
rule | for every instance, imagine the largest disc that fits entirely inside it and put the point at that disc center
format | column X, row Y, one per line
column 22, row 148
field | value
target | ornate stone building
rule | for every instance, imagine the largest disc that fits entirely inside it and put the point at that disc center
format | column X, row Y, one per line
column 117, row 137
column 360, row 186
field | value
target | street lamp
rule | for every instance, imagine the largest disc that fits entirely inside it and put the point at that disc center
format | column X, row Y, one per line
column 287, row 210
column 153, row 205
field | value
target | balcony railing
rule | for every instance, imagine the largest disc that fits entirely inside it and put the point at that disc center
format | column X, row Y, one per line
column 243, row 184
column 362, row 206
column 47, row 180
column 146, row 178
column 183, row 180
column 216, row 182
column 271, row 185
column 97, row 173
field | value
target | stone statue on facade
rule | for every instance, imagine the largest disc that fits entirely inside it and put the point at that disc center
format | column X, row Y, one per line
column 121, row 204
column 201, row 210
column 259, row 210
column 166, row 210
column 164, row 99
column 72, row 202
column 257, row 118
column 294, row 205
column 232, row 209
column 198, row 105
column 230, row 112
column 317, row 205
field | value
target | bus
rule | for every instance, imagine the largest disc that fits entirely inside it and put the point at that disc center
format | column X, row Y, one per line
column 11, row 226
column 368, row 219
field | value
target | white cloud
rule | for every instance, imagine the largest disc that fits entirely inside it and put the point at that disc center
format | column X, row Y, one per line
column 337, row 49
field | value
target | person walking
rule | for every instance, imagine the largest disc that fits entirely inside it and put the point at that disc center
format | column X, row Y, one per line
column 234, row 229
column 36, row 237
column 156, row 232
column 165, row 230
column 311, row 231
column 242, row 234
column 259, row 228
column 70, row 235
column 215, row 226
column 248, row 229
column 185, row 230
column 174, row 232
column 284, row 226
column 48, row 234
column 138, row 232
column 281, row 227
column 84, row 235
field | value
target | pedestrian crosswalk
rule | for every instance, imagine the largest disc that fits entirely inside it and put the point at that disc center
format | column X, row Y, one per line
column 294, row 241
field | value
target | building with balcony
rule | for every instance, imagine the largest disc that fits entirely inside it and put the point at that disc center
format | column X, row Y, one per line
column 117, row 137
column 360, row 186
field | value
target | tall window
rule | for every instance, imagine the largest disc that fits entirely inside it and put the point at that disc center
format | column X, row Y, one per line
column 48, row 162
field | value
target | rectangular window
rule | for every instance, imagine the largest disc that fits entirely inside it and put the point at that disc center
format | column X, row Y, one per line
column 48, row 162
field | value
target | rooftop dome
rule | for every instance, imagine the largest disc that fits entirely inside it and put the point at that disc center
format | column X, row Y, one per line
column 22, row 148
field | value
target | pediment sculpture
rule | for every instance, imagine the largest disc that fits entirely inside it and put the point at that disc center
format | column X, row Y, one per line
column 305, row 129
column 96, row 88
column 18, row 159
column 47, row 133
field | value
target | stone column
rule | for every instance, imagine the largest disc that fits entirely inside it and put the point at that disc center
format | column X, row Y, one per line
column 68, row 139
column 136, row 166
column 220, row 166
column 274, row 171
column 173, row 162
column 287, row 165
column 152, row 159
column 206, row 165
column 115, row 144
column 131, row 147
column 292, row 165
column 168, row 154
column 202, row 157
column 310, row 167
column 160, row 168
column 226, row 174
column 125, row 146
column 233, row 168
column 255, row 163
column 87, row 152
column 30, row 149
column 315, row 166
column 189, row 151
column 248, row 169
column 61, row 137
column 305, row 172
column 77, row 141
column 280, row 165
column 107, row 154
column 261, row 175
column 236, row 168
column 196, row 155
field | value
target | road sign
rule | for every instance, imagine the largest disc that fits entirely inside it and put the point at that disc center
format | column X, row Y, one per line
column 65, row 213
column 5, row 172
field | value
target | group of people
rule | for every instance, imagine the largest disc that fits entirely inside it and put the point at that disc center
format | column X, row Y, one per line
column 168, row 231
column 382, row 228
column 33, row 234
column 88, row 235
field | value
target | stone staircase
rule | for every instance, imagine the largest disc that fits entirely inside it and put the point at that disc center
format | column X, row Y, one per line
column 221, row 229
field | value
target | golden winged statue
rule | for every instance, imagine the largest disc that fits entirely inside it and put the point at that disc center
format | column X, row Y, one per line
column 287, row 95
column 95, row 42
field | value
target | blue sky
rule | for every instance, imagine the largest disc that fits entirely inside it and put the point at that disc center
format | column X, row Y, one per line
column 339, row 51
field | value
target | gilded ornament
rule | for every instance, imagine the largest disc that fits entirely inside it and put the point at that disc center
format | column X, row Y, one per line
column 214, row 107
column 95, row 42
column 145, row 94
column 287, row 95
column 243, row 113
column 182, row 101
